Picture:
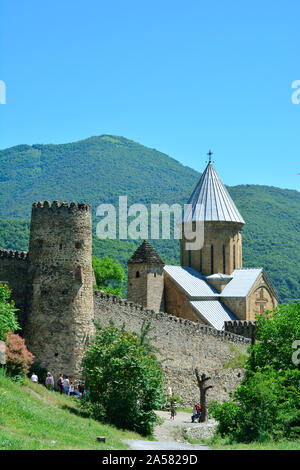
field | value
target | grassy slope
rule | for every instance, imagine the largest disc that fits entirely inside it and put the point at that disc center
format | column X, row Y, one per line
column 31, row 417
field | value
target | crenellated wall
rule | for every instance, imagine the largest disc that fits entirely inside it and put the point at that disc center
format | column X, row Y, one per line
column 183, row 345
column 13, row 271
column 242, row 328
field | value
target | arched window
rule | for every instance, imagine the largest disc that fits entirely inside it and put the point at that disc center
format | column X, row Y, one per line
column 137, row 274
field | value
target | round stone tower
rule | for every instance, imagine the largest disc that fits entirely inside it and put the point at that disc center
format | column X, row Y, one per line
column 60, row 308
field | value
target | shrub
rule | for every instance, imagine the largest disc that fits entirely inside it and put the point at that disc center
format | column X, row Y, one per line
column 18, row 358
column 227, row 416
column 8, row 320
column 124, row 381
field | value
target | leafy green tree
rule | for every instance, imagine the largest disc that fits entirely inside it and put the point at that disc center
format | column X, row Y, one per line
column 124, row 381
column 276, row 335
column 8, row 319
column 110, row 275
column 267, row 403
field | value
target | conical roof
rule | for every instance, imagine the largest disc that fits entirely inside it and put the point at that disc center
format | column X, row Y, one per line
column 213, row 200
column 145, row 254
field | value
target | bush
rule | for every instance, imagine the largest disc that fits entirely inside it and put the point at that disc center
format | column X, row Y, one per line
column 8, row 320
column 18, row 358
column 124, row 382
column 267, row 403
column 226, row 415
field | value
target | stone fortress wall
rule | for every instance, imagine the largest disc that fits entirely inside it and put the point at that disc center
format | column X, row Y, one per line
column 52, row 285
column 13, row 271
column 184, row 343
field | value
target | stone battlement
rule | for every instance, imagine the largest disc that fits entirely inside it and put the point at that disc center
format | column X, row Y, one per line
column 240, row 327
column 185, row 324
column 57, row 205
column 13, row 254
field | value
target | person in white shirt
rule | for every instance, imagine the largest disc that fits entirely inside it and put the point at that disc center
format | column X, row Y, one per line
column 34, row 378
column 66, row 384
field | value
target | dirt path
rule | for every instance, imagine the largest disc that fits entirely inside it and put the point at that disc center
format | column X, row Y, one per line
column 171, row 430
column 168, row 435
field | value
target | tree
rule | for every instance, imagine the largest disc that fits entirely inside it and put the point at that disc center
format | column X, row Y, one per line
column 267, row 403
column 110, row 276
column 276, row 334
column 124, row 381
column 203, row 389
column 8, row 320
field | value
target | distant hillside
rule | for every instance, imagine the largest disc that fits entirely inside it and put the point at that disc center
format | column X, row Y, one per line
column 100, row 169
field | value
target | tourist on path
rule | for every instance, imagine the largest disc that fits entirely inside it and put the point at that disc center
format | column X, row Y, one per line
column 60, row 384
column 34, row 378
column 173, row 409
column 66, row 384
column 49, row 382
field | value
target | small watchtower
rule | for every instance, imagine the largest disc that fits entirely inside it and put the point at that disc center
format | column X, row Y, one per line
column 146, row 278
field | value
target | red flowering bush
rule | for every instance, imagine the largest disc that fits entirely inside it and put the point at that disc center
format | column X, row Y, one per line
column 18, row 358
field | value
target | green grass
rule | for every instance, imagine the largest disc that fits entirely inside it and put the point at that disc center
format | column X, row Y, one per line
column 31, row 417
column 217, row 443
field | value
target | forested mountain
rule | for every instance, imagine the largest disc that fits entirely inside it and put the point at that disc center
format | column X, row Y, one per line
column 100, row 169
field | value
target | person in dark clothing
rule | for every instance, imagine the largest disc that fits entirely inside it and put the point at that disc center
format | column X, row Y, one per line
column 60, row 384
column 196, row 412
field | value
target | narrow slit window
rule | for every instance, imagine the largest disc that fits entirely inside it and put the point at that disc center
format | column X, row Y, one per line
column 224, row 260
column 234, row 257
column 212, row 258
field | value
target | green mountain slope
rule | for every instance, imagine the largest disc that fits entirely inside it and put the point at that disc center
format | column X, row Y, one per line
column 100, row 169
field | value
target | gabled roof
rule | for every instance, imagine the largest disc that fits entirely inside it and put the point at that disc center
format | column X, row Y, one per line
column 145, row 254
column 242, row 282
column 207, row 301
column 214, row 312
column 197, row 287
column 213, row 200
column 191, row 281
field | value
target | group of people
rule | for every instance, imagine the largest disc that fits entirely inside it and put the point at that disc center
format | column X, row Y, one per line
column 196, row 412
column 64, row 385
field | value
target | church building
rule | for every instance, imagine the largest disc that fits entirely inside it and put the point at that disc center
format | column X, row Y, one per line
column 210, row 286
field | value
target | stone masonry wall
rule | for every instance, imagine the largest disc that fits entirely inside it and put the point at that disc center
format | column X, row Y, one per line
column 183, row 344
column 13, row 271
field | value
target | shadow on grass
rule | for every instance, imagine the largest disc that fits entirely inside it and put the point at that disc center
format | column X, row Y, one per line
column 76, row 411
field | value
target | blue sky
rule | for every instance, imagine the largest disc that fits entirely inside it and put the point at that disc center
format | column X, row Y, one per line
column 179, row 76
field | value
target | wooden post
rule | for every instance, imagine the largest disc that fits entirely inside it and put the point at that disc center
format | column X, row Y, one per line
column 201, row 384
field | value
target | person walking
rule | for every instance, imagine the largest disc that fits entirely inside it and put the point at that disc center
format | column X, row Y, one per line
column 49, row 382
column 173, row 410
column 66, row 384
column 60, row 384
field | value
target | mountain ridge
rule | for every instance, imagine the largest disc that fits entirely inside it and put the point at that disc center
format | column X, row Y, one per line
column 100, row 168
